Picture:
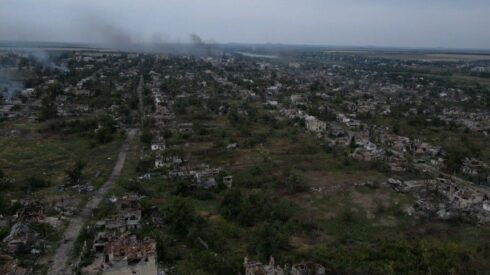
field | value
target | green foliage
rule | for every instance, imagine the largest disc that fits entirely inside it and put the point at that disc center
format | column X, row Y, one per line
column 396, row 128
column 167, row 134
column 234, row 118
column 231, row 204
column 34, row 182
column 75, row 173
column 48, row 103
column 256, row 176
column 296, row 183
column 181, row 187
column 3, row 206
column 208, row 262
column 454, row 158
column 268, row 240
column 199, row 129
column 181, row 104
column 399, row 257
column 106, row 129
column 352, row 143
column 80, row 126
column 45, row 231
column 180, row 216
column 250, row 209
column 101, row 128
column 13, row 208
column 144, row 165
column 146, row 137
column 135, row 187
column 4, row 232
column 86, row 235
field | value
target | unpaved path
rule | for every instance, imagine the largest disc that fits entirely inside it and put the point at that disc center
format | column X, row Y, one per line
column 141, row 105
column 60, row 263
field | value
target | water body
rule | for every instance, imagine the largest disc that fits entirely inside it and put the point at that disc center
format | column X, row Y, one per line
column 256, row 55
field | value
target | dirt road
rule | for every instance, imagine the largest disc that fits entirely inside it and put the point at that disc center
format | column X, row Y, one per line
column 63, row 254
column 141, row 105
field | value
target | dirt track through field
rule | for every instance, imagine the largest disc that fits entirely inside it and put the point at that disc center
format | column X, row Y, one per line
column 61, row 259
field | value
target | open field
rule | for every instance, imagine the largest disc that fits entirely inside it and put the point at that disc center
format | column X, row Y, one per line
column 26, row 152
column 420, row 56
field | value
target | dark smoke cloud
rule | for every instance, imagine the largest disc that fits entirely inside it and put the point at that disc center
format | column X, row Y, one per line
column 207, row 48
column 94, row 27
column 196, row 40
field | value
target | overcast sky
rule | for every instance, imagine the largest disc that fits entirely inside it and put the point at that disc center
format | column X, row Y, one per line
column 407, row 23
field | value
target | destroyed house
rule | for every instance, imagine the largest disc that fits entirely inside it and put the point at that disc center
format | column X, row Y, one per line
column 315, row 125
column 124, row 254
column 122, row 222
column 158, row 146
column 30, row 212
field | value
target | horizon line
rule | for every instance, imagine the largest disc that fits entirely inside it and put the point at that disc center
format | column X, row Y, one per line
column 121, row 46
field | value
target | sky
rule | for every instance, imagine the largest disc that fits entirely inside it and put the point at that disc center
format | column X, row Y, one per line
column 388, row 23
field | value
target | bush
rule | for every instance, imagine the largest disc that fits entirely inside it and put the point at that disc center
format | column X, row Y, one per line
column 144, row 165
column 146, row 137
column 295, row 182
column 35, row 182
column 76, row 172
column 399, row 257
column 180, row 216
column 207, row 262
column 106, row 129
column 182, row 188
column 268, row 241
column 135, row 187
column 254, row 208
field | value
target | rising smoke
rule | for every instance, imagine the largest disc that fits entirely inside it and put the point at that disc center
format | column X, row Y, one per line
column 46, row 60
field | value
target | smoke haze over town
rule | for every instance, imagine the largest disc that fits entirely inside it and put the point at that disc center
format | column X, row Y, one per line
column 418, row 23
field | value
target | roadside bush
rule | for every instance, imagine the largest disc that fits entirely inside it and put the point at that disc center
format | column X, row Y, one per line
column 34, row 182
column 144, row 165
column 146, row 137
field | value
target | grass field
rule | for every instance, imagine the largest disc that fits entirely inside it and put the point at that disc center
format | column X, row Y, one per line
column 26, row 152
column 420, row 56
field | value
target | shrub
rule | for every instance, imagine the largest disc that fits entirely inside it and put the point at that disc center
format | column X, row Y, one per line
column 295, row 182
column 35, row 182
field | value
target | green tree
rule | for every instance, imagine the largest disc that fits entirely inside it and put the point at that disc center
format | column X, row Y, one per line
column 49, row 108
column 75, row 173
column 146, row 137
column 180, row 217
column 106, row 129
column 231, row 204
column 454, row 159
column 396, row 128
column 352, row 143
column 268, row 241
column 181, row 187
column 295, row 182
